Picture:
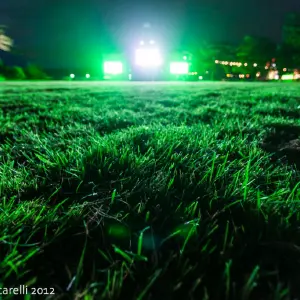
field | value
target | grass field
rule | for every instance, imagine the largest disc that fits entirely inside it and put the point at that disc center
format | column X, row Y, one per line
column 151, row 190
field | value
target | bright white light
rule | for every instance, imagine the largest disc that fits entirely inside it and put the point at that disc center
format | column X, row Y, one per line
column 113, row 67
column 87, row 75
column 276, row 77
column 142, row 43
column 72, row 75
column 245, row 64
column 129, row 76
column 200, row 77
column 152, row 42
column 179, row 68
column 185, row 58
column 148, row 57
column 254, row 65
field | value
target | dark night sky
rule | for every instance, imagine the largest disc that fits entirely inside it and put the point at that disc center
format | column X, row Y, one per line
column 71, row 32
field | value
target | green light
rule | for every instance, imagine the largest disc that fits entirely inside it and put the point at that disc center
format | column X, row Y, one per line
column 287, row 77
column 113, row 67
column 72, row 75
column 118, row 231
column 185, row 58
column 179, row 68
column 87, row 75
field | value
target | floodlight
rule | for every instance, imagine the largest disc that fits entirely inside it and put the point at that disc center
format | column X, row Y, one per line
column 148, row 57
column 255, row 65
column 179, row 68
column 72, row 75
column 287, row 77
column 87, row 75
column 113, row 67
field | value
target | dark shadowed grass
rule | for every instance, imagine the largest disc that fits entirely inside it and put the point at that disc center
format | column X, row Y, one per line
column 151, row 191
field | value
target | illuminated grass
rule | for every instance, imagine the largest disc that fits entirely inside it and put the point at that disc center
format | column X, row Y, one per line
column 151, row 191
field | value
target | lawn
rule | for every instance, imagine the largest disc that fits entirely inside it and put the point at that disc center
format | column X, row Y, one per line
column 151, row 190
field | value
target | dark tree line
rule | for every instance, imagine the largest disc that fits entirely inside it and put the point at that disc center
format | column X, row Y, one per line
column 251, row 49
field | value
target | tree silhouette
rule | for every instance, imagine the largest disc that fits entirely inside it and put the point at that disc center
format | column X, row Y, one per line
column 290, row 48
column 207, row 53
column 256, row 50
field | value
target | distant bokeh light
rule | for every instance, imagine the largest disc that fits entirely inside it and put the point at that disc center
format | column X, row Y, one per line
column 287, row 77
column 5, row 42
